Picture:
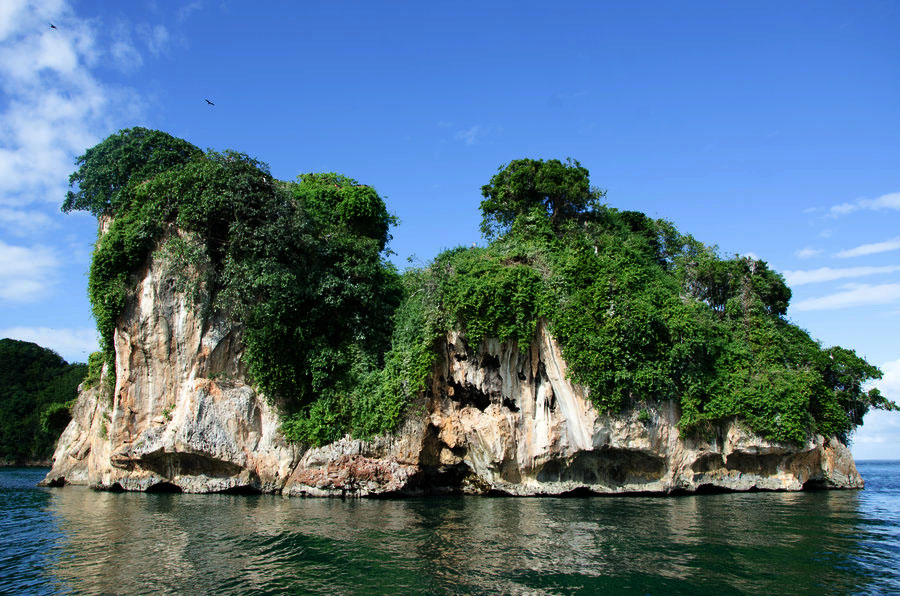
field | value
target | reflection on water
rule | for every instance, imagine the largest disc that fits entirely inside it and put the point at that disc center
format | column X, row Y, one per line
column 77, row 540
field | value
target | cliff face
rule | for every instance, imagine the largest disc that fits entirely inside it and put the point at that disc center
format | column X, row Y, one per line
column 495, row 419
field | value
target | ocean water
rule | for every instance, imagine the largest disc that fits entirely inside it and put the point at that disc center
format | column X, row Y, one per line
column 74, row 540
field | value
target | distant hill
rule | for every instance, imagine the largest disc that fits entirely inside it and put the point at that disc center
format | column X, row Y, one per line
column 36, row 389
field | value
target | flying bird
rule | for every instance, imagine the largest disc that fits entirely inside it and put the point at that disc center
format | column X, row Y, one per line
column 210, row 103
column 52, row 26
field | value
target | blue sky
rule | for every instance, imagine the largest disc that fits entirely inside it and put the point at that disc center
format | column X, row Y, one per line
column 762, row 128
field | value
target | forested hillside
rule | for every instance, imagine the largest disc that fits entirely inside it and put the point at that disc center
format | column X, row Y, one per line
column 37, row 388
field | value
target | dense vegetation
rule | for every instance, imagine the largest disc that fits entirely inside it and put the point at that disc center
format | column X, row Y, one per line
column 343, row 343
column 300, row 264
column 644, row 314
column 37, row 389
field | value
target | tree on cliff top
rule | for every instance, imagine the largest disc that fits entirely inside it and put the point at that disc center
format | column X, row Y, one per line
column 644, row 314
column 130, row 156
column 559, row 190
column 300, row 265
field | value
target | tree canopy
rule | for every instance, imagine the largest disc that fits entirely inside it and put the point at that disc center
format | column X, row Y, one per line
column 301, row 265
column 559, row 189
column 131, row 156
column 644, row 314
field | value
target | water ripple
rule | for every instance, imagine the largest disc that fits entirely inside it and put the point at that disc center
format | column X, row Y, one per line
column 75, row 540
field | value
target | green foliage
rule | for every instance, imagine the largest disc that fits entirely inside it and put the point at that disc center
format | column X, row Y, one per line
column 383, row 396
column 55, row 417
column 644, row 314
column 108, row 170
column 37, row 388
column 560, row 190
column 336, row 200
column 491, row 295
column 341, row 342
column 300, row 265
column 117, row 256
column 94, row 370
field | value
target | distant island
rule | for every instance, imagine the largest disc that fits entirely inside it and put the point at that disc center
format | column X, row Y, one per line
column 255, row 336
column 37, row 390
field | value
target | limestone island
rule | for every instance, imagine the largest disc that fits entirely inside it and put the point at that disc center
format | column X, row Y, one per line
column 255, row 338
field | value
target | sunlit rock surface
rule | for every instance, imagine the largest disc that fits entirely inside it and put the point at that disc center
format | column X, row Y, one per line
column 496, row 419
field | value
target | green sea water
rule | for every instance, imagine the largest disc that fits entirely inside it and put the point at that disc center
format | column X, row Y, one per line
column 74, row 540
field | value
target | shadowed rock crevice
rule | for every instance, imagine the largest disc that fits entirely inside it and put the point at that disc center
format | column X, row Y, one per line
column 164, row 487
column 442, row 469
column 171, row 464
column 814, row 484
column 245, row 489
column 606, row 467
column 468, row 395
column 752, row 463
column 712, row 489
column 489, row 362
column 709, row 462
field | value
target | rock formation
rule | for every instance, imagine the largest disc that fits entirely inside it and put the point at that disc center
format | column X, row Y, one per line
column 496, row 419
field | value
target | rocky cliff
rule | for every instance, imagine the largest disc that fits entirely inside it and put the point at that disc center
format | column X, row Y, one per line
column 496, row 419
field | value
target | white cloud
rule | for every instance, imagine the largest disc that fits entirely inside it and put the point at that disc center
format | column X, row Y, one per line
column 801, row 277
column 888, row 201
column 889, row 384
column 187, row 9
column 860, row 295
column 879, row 436
column 75, row 345
column 126, row 56
column 54, row 107
column 871, row 249
column 156, row 37
column 26, row 273
column 807, row 252
column 470, row 135
column 20, row 222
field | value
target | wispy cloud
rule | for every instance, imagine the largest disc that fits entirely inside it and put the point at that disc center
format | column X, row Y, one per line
column 889, row 384
column 26, row 273
column 54, row 107
column 72, row 344
column 20, row 222
column 187, row 9
column 156, row 37
column 470, row 135
column 879, row 436
column 807, row 252
column 871, row 249
column 126, row 56
column 884, row 202
column 860, row 295
column 812, row 276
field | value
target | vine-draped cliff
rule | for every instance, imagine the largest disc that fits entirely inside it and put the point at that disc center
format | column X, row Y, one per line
column 256, row 339
column 495, row 418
